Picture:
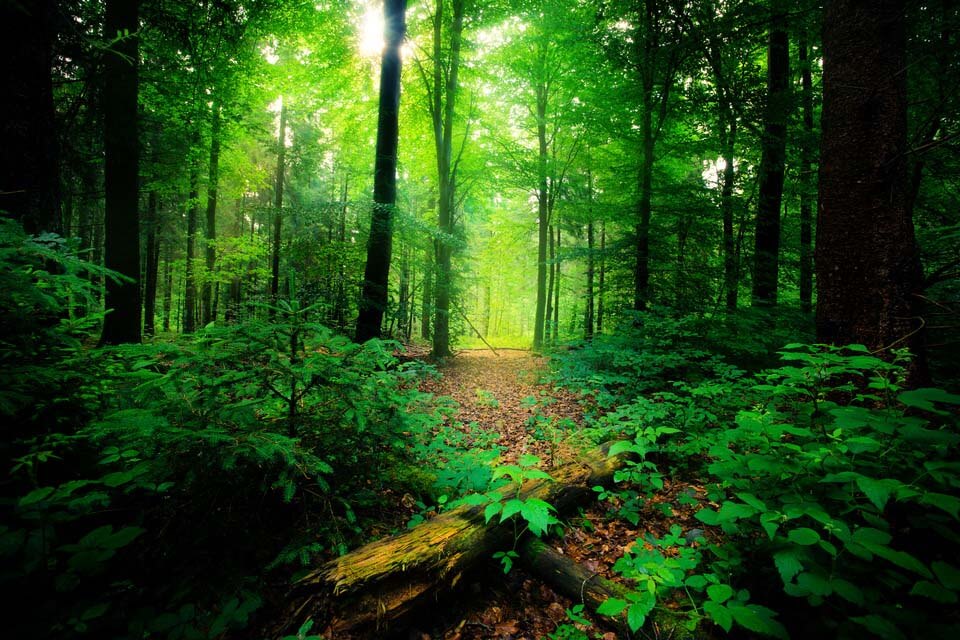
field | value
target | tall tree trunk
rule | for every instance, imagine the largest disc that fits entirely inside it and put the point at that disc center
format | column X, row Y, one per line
column 807, row 188
column 29, row 166
column 589, row 310
column 641, row 276
column 731, row 270
column 209, row 310
column 601, row 289
column 121, row 173
column 868, row 268
column 373, row 299
column 443, row 113
column 153, row 263
column 766, row 254
column 426, row 302
column 556, row 293
column 189, row 323
column 551, row 280
column 544, row 233
column 167, row 288
column 278, row 204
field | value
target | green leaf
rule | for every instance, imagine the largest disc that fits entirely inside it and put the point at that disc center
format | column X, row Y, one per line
column 758, row 619
column 537, row 474
column 924, row 399
column 803, row 536
column 537, row 514
column 720, row 592
column 636, row 616
column 900, row 558
column 847, row 590
column 815, row 584
column 880, row 627
column 35, row 496
column 950, row 504
column 788, row 564
column 511, row 508
column 948, row 574
column 528, row 460
column 878, row 491
column 719, row 614
column 492, row 509
column 868, row 535
column 934, row 592
column 611, row 607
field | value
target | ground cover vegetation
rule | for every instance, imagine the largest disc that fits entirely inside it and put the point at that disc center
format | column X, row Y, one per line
column 589, row 318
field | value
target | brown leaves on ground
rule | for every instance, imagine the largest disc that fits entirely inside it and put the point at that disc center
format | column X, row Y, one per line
column 502, row 395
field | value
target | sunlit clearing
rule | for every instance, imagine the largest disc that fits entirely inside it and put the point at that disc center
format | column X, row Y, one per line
column 371, row 26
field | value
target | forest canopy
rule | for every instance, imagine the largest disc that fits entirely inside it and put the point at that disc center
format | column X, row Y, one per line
column 281, row 279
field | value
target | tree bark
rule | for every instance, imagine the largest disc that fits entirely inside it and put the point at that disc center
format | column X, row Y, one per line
column 153, row 264
column 556, row 293
column 189, row 323
column 121, row 173
column 544, row 233
column 807, row 188
column 278, row 204
column 766, row 255
column 385, row 579
column 209, row 310
column 601, row 280
column 29, row 165
column 868, row 268
column 373, row 299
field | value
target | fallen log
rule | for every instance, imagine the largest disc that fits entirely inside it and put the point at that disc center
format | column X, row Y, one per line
column 572, row 579
column 381, row 581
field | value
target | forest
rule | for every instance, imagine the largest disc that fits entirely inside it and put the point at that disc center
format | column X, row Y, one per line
column 463, row 319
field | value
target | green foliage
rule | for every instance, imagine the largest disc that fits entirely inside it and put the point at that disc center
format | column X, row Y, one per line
column 828, row 481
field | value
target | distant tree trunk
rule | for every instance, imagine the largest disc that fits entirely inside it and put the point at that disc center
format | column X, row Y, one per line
column 340, row 304
column 121, row 173
column 588, row 312
column 278, row 204
column 405, row 290
column 373, row 299
column 189, row 323
column 601, row 289
column 167, row 288
column 766, row 255
column 153, row 263
column 556, row 293
column 29, row 166
column 807, row 188
column 426, row 302
column 209, row 310
column 551, row 280
column 868, row 268
column 731, row 270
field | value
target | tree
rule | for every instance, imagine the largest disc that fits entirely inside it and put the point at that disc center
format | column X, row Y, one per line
column 29, row 154
column 766, row 255
column 121, row 173
column 867, row 266
column 373, row 299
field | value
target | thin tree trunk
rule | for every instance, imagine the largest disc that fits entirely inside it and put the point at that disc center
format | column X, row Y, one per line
column 807, row 188
column 153, row 262
column 278, row 205
column 551, row 280
column 603, row 272
column 426, row 303
column 189, row 322
column 121, row 174
column 556, row 294
column 766, row 255
column 641, row 294
column 209, row 312
column 589, row 311
column 544, row 235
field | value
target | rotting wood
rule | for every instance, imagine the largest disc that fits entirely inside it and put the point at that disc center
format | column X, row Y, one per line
column 381, row 581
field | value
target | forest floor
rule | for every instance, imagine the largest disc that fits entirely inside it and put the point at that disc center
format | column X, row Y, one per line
column 503, row 395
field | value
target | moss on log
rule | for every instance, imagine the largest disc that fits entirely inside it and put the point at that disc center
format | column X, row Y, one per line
column 381, row 581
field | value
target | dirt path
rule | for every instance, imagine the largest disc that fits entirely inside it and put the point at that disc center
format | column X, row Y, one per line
column 504, row 395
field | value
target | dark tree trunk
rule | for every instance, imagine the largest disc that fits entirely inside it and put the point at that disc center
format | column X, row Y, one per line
column 641, row 276
column 868, row 269
column 766, row 256
column 189, row 323
column 278, row 204
column 167, row 288
column 121, row 173
column 588, row 312
column 731, row 283
column 29, row 169
column 209, row 309
column 551, row 280
column 153, row 264
column 373, row 299
column 807, row 188
column 556, row 293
